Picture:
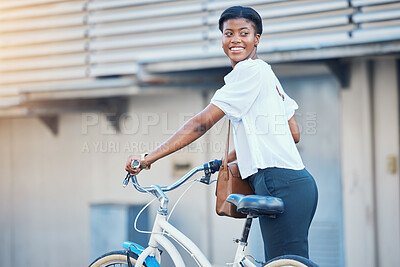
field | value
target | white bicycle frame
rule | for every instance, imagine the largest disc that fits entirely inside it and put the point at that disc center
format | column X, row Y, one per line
column 163, row 228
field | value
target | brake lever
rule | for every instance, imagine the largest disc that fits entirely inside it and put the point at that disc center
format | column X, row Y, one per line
column 207, row 174
column 126, row 180
column 135, row 164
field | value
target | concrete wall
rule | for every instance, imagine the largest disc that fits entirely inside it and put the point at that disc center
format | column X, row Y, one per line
column 47, row 183
column 45, row 189
column 357, row 170
column 370, row 136
column 386, row 138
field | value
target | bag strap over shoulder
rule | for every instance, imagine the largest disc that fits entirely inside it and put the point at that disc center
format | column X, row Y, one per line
column 225, row 164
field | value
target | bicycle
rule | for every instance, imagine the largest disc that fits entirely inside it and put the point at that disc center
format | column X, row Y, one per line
column 253, row 206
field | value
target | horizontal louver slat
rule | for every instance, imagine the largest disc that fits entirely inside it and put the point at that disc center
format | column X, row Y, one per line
column 25, row 3
column 40, row 24
column 47, row 63
column 42, row 50
column 143, row 27
column 113, row 70
column 144, row 13
column 43, row 75
column 51, row 10
column 150, row 40
column 376, row 16
column 106, row 4
column 42, row 37
column 359, row 3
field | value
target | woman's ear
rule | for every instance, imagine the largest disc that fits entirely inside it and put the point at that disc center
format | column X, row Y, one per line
column 257, row 39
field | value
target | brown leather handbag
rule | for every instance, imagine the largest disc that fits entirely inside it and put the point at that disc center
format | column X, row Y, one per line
column 230, row 182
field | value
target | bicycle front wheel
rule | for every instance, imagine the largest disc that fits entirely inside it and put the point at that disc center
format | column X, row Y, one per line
column 285, row 263
column 115, row 258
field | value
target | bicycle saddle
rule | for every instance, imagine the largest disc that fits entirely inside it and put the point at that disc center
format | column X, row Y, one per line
column 256, row 205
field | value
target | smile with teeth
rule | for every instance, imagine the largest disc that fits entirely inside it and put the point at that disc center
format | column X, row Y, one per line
column 236, row 48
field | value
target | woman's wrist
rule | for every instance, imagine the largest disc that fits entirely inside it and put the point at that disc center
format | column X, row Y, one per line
column 149, row 158
column 144, row 163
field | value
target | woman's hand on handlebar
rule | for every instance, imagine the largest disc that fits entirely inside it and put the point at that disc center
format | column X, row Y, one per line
column 128, row 166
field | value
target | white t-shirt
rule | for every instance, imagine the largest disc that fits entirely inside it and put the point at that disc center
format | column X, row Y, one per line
column 258, row 108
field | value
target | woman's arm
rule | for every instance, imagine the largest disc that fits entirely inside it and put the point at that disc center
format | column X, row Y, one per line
column 294, row 129
column 189, row 132
column 231, row 155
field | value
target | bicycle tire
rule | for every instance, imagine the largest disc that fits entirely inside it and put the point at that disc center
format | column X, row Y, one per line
column 115, row 258
column 290, row 261
column 285, row 263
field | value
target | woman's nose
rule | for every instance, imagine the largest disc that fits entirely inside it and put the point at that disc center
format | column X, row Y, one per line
column 236, row 39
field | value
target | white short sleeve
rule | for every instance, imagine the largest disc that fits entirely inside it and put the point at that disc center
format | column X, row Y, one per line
column 289, row 104
column 242, row 86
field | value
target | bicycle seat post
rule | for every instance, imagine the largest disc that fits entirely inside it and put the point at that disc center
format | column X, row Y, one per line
column 246, row 229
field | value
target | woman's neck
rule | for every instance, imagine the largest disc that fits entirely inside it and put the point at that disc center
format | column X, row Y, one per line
column 253, row 56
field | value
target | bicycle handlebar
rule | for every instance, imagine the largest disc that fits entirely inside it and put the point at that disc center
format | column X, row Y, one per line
column 208, row 168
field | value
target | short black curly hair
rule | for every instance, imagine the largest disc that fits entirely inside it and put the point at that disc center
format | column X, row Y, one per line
column 237, row 12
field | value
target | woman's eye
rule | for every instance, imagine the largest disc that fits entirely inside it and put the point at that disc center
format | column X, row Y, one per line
column 228, row 34
column 244, row 33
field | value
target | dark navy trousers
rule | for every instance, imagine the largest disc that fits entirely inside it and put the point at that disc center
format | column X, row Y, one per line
column 287, row 234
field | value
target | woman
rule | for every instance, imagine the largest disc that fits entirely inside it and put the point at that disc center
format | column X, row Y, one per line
column 265, row 133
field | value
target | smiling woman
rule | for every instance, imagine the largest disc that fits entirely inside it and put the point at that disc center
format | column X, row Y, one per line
column 265, row 133
column 240, row 40
column 241, row 28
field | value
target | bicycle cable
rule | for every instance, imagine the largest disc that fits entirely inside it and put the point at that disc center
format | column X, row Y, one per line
column 180, row 197
column 148, row 204
column 172, row 210
column 138, row 215
column 140, row 212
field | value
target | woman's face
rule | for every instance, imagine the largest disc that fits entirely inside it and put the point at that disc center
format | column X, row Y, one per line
column 239, row 40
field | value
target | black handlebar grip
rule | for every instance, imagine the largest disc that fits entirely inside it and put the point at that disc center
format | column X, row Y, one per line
column 215, row 165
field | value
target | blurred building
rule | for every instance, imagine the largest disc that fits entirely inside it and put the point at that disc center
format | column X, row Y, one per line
column 83, row 84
